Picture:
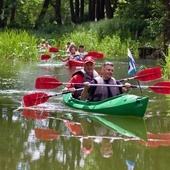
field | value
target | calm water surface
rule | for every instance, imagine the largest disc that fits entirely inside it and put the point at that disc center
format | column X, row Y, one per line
column 54, row 136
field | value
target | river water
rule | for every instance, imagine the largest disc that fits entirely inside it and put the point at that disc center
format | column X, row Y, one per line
column 54, row 136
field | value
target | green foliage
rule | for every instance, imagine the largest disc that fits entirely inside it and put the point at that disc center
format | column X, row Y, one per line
column 167, row 66
column 17, row 44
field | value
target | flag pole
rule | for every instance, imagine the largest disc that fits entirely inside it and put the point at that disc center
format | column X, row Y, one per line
column 132, row 67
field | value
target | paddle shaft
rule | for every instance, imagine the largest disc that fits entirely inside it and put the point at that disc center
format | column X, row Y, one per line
column 94, row 137
column 160, row 87
column 110, row 85
column 57, row 94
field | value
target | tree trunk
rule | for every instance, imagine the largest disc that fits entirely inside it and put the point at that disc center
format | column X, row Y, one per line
column 58, row 12
column 73, row 19
column 1, row 13
column 109, row 9
column 77, row 9
column 42, row 13
column 98, row 10
column 13, row 10
column 102, row 6
column 92, row 10
column 82, row 9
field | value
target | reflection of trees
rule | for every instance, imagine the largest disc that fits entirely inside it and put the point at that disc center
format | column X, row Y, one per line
column 20, row 148
column 12, row 137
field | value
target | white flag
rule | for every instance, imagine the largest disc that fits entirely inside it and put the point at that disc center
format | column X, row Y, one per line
column 132, row 68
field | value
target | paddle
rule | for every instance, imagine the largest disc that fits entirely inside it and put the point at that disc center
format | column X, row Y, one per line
column 40, row 97
column 144, row 75
column 48, row 56
column 45, row 57
column 95, row 54
column 53, row 50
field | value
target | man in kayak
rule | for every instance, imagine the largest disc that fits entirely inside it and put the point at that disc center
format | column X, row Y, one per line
column 97, row 93
column 87, row 74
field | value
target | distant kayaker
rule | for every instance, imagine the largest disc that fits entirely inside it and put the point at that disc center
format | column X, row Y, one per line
column 44, row 45
column 84, row 75
column 81, row 50
column 73, row 54
column 67, row 46
column 97, row 93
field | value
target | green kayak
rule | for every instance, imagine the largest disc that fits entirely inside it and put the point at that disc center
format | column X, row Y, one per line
column 121, row 105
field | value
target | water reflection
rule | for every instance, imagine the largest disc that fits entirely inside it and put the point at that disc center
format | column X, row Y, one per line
column 91, row 131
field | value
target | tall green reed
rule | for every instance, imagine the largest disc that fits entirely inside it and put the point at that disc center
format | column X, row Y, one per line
column 17, row 44
column 166, row 67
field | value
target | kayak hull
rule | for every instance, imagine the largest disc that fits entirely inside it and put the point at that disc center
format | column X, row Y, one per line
column 121, row 105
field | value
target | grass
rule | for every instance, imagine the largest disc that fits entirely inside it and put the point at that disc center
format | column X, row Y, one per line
column 17, row 44
column 22, row 44
column 166, row 67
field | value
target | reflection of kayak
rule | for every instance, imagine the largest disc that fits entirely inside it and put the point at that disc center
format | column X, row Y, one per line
column 74, row 63
column 128, row 126
column 155, row 140
column 122, row 105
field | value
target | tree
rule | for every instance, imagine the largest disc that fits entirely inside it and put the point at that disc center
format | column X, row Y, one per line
column 2, row 24
column 166, row 25
column 109, row 9
column 91, row 10
column 82, row 9
column 57, row 8
column 73, row 19
column 42, row 14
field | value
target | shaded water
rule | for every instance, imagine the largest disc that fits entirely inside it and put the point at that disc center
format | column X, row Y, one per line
column 54, row 136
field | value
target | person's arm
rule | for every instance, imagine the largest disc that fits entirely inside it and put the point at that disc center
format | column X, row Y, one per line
column 88, row 91
column 78, row 78
column 85, row 94
column 64, row 59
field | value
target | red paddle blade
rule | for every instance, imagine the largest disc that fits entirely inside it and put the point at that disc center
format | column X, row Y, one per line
column 35, row 114
column 47, row 83
column 161, row 87
column 45, row 57
column 95, row 54
column 53, row 50
column 74, row 63
column 149, row 74
column 46, row 134
column 35, row 99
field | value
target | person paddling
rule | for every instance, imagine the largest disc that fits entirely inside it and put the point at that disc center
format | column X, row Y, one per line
column 97, row 93
column 84, row 75
column 73, row 54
